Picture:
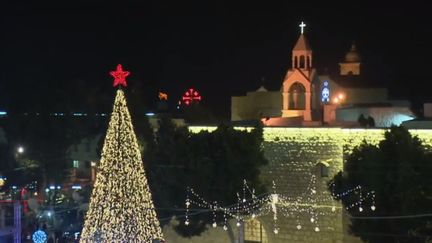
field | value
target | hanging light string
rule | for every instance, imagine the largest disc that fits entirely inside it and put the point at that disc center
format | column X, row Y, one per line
column 363, row 197
column 250, row 206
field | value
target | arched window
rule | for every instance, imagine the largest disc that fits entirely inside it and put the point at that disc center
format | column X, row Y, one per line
column 302, row 61
column 308, row 63
column 295, row 62
column 297, row 99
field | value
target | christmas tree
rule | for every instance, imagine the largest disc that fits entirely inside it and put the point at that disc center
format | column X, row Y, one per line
column 121, row 207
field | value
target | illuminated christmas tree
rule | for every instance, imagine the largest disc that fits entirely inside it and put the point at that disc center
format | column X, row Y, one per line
column 121, row 207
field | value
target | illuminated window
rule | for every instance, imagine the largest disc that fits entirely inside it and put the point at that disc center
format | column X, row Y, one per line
column 76, row 164
column 325, row 92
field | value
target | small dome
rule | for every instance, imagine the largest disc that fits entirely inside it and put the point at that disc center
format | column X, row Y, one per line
column 352, row 55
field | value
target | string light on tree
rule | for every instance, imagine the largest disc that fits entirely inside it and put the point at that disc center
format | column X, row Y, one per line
column 121, row 207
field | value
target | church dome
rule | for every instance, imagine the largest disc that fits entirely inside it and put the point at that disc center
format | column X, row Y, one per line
column 352, row 55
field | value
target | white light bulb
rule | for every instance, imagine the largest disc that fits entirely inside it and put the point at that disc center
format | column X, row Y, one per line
column 187, row 203
column 299, row 227
column 317, row 229
column 253, row 215
column 276, row 231
column 313, row 191
column 187, row 222
column 312, row 220
column 360, row 209
column 214, row 225
column 373, row 207
column 238, row 224
column 333, row 208
column 244, row 199
column 225, row 228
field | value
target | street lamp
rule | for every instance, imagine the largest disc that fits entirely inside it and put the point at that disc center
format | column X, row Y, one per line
column 339, row 99
column 20, row 149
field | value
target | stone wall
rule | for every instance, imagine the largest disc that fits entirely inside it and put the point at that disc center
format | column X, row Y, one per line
column 296, row 156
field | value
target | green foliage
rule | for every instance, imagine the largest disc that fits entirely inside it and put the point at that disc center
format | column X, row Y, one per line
column 46, row 140
column 398, row 170
column 213, row 163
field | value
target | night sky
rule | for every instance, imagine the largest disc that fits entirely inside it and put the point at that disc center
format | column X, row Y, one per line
column 57, row 58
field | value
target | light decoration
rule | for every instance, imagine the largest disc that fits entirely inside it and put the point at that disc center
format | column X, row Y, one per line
column 163, row 96
column 39, row 236
column 325, row 92
column 368, row 197
column 191, row 96
column 121, row 207
column 250, row 207
column 119, row 76
column 302, row 26
column 339, row 98
column 296, row 151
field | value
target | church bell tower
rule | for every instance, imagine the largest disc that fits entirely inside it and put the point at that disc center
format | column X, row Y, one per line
column 297, row 86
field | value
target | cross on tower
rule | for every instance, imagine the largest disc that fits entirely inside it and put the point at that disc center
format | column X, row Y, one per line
column 302, row 25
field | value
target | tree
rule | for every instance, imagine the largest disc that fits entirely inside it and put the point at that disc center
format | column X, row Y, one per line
column 398, row 170
column 121, row 207
column 213, row 163
column 46, row 139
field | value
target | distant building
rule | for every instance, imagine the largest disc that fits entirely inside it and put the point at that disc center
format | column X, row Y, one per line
column 309, row 98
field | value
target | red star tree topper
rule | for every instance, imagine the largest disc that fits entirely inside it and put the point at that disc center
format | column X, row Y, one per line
column 119, row 76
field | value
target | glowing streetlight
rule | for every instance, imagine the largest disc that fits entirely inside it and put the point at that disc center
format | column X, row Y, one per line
column 20, row 149
column 339, row 98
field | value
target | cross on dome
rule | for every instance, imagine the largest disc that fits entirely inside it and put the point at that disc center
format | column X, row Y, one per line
column 302, row 25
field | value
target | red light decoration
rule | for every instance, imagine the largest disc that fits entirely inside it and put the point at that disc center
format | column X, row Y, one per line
column 119, row 76
column 190, row 96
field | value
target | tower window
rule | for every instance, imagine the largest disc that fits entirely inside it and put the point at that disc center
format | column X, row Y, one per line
column 302, row 61
column 75, row 163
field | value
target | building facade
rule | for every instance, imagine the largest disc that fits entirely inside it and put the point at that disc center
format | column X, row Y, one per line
column 308, row 97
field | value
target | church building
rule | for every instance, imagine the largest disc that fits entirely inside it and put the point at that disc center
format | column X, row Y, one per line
column 310, row 98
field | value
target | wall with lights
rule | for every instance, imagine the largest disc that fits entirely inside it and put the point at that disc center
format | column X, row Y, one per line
column 296, row 154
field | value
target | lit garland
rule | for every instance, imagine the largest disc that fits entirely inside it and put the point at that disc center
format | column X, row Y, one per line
column 121, row 207
column 361, row 199
column 251, row 207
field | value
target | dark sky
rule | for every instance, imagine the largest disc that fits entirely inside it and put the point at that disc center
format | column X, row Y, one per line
column 58, row 57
